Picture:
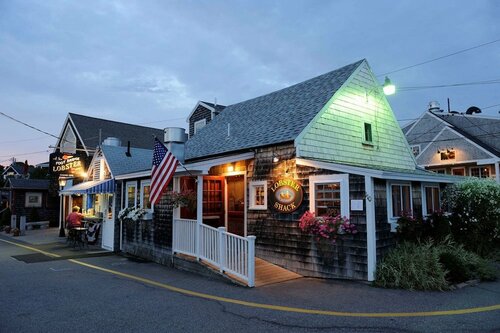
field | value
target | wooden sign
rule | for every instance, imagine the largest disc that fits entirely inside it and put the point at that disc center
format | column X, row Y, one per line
column 66, row 164
column 286, row 195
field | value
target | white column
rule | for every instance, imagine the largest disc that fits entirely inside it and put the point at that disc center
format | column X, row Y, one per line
column 497, row 172
column 371, row 234
column 199, row 214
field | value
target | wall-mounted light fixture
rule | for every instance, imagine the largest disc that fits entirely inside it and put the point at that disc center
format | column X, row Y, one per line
column 230, row 167
column 276, row 159
column 389, row 88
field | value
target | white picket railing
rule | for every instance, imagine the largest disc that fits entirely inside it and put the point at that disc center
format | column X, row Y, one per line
column 229, row 252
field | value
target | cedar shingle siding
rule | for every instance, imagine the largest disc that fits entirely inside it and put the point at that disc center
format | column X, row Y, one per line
column 200, row 113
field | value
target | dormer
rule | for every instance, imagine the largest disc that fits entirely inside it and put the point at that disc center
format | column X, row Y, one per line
column 201, row 115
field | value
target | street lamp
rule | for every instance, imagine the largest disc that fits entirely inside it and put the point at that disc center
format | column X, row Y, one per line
column 62, row 183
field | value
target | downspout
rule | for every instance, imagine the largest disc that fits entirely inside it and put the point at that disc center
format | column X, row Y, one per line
column 371, row 231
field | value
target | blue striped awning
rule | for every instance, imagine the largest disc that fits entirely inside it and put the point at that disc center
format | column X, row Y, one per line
column 91, row 187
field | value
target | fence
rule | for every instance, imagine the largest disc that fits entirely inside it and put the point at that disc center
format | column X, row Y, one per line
column 228, row 252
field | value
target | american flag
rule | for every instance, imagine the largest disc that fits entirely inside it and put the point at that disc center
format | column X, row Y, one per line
column 164, row 165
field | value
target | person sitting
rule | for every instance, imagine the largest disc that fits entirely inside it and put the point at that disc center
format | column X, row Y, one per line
column 74, row 218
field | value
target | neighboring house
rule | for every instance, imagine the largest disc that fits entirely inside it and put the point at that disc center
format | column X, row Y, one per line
column 80, row 138
column 29, row 197
column 330, row 144
column 202, row 114
column 461, row 144
column 101, row 197
column 17, row 170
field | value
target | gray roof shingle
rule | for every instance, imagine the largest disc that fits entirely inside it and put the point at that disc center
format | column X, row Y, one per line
column 274, row 118
column 481, row 130
column 139, row 136
column 28, row 184
column 120, row 164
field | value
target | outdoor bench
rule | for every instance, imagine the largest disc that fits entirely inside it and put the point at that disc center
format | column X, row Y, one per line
column 41, row 224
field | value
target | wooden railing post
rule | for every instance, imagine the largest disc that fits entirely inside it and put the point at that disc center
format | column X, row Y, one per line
column 251, row 261
column 222, row 248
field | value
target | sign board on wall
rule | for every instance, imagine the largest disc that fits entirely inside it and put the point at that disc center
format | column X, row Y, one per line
column 286, row 195
column 66, row 164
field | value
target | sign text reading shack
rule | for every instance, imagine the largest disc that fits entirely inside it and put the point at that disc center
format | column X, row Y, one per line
column 286, row 195
column 65, row 163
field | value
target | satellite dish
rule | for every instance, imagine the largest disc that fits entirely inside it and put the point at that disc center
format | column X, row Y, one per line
column 473, row 109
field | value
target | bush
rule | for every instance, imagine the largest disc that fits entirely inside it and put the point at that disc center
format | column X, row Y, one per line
column 425, row 266
column 475, row 220
column 412, row 266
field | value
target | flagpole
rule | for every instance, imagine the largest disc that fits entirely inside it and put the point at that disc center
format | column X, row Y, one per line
column 182, row 165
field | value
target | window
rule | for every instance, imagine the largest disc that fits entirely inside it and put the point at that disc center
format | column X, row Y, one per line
column 415, row 150
column 258, row 195
column 131, row 195
column 440, row 171
column 400, row 199
column 431, row 202
column 198, row 125
column 145, row 192
column 480, row 172
column 368, row 137
column 458, row 172
column 33, row 199
column 447, row 155
column 329, row 194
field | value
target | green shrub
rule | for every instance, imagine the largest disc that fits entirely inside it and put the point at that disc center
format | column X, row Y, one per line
column 475, row 220
column 456, row 269
column 412, row 266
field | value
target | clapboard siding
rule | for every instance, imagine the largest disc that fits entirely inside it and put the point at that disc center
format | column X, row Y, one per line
column 278, row 236
column 337, row 133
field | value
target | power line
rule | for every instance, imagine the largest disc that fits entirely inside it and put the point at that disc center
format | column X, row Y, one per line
column 28, row 125
column 439, row 58
column 496, row 81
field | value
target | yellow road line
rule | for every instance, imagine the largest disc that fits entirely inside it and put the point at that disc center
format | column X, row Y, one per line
column 276, row 307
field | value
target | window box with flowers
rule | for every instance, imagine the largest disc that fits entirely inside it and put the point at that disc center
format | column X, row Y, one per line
column 328, row 232
column 130, row 216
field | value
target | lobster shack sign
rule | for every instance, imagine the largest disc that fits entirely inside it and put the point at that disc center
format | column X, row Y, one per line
column 286, row 195
column 67, row 164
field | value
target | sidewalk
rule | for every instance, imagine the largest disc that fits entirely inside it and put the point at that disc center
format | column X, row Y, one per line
column 48, row 240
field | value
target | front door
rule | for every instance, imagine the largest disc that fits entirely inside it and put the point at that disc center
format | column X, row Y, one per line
column 108, row 225
column 236, row 204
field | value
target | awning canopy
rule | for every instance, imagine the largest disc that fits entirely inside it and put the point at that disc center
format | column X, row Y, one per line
column 91, row 187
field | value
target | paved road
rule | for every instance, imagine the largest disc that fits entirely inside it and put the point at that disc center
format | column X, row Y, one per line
column 69, row 296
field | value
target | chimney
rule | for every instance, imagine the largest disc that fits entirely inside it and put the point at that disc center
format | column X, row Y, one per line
column 175, row 139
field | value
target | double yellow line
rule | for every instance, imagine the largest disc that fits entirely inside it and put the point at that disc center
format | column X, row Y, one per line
column 270, row 306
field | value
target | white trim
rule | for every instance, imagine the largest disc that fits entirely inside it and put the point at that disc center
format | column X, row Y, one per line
column 392, row 175
column 204, row 166
column 457, row 168
column 371, row 230
column 343, row 179
column 138, row 174
column 127, row 185
column 393, row 219
column 201, row 121
column 37, row 204
column 423, row 186
column 251, row 204
column 143, row 183
column 196, row 106
column 455, row 162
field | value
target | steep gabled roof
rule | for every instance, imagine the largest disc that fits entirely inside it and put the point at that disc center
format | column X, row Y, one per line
column 28, row 184
column 88, row 130
column 483, row 131
column 119, row 163
column 274, row 118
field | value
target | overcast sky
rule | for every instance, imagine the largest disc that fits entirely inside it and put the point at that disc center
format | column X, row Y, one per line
column 149, row 62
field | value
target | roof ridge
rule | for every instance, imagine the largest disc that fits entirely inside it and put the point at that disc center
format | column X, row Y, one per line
column 111, row 121
column 357, row 63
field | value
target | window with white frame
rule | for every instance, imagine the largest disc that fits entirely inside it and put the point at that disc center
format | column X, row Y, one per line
column 33, row 199
column 431, row 199
column 329, row 194
column 145, row 194
column 258, row 195
column 131, row 194
column 368, row 134
column 198, row 125
column 399, row 199
column 458, row 171
column 480, row 172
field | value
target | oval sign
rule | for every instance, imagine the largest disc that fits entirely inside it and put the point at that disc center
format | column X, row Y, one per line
column 286, row 195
